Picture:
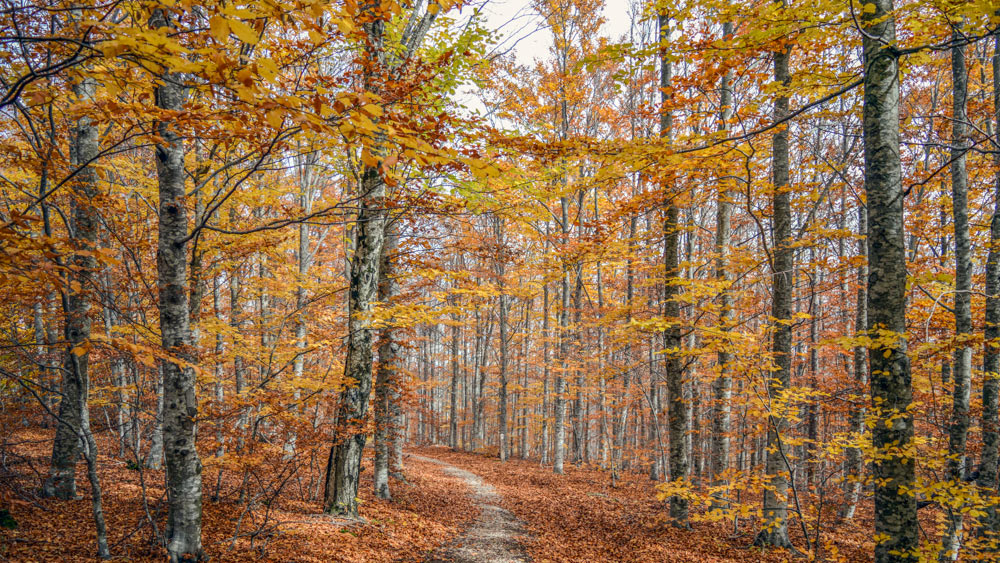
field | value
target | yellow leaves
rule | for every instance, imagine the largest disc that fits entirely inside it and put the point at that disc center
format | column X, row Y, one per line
column 372, row 110
column 243, row 31
column 268, row 69
column 275, row 118
column 219, row 27
column 368, row 159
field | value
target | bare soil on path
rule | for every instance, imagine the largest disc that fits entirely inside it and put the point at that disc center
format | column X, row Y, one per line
column 495, row 535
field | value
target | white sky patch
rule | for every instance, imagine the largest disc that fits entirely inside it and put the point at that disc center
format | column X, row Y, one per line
column 521, row 31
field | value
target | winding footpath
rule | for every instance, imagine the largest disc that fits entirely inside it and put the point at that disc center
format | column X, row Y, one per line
column 493, row 536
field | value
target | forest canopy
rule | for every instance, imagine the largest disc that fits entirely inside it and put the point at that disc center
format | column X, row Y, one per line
column 741, row 260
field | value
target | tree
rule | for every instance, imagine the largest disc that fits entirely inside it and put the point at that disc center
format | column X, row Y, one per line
column 775, row 530
column 180, row 402
column 895, row 508
column 958, row 432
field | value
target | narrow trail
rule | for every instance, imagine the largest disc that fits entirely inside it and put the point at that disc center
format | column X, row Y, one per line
column 493, row 536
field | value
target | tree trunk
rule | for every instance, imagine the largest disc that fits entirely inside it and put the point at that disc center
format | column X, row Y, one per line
column 344, row 468
column 775, row 530
column 855, row 460
column 722, row 385
column 991, row 353
column 387, row 379
column 958, row 431
column 456, row 331
column 180, row 405
column 76, row 299
column 895, row 509
column 677, row 411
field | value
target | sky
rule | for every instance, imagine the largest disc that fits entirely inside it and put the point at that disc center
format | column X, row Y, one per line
column 524, row 32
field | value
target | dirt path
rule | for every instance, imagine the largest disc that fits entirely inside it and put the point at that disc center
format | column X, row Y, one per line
column 493, row 537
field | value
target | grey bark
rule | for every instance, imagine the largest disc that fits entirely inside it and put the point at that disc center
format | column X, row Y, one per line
column 545, row 368
column 456, row 331
column 775, row 527
column 68, row 444
column 677, row 412
column 991, row 353
column 559, row 456
column 891, row 387
column 958, row 431
column 855, row 461
column 722, row 385
column 344, row 466
column 387, row 379
column 73, row 433
column 180, row 405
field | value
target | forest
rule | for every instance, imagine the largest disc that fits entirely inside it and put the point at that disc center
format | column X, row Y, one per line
column 500, row 280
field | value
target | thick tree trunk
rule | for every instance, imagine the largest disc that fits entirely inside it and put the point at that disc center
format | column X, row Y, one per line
column 958, row 431
column 180, row 405
column 344, row 468
column 891, row 390
column 69, row 439
column 775, row 530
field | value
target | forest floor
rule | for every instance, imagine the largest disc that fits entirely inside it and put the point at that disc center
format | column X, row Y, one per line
column 456, row 507
column 493, row 537
column 581, row 517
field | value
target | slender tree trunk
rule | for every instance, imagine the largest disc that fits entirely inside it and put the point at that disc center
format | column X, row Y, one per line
column 855, row 460
column 387, row 379
column 775, row 531
column 456, row 331
column 503, row 433
column 545, row 369
column 990, row 421
column 722, row 385
column 958, row 432
column 564, row 342
column 895, row 508
column 677, row 412
column 504, row 305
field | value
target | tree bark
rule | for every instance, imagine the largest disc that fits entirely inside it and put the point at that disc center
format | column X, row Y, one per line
column 722, row 385
column 76, row 299
column 387, row 379
column 180, row 405
column 990, row 421
column 344, row 468
column 855, row 461
column 891, row 387
column 775, row 530
column 958, row 431
column 677, row 412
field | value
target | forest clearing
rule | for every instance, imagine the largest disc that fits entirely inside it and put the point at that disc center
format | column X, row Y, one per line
column 500, row 280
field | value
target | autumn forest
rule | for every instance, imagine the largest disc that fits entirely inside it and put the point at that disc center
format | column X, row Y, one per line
column 497, row 280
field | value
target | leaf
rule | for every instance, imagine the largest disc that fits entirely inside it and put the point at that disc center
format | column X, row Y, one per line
column 218, row 27
column 245, row 33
